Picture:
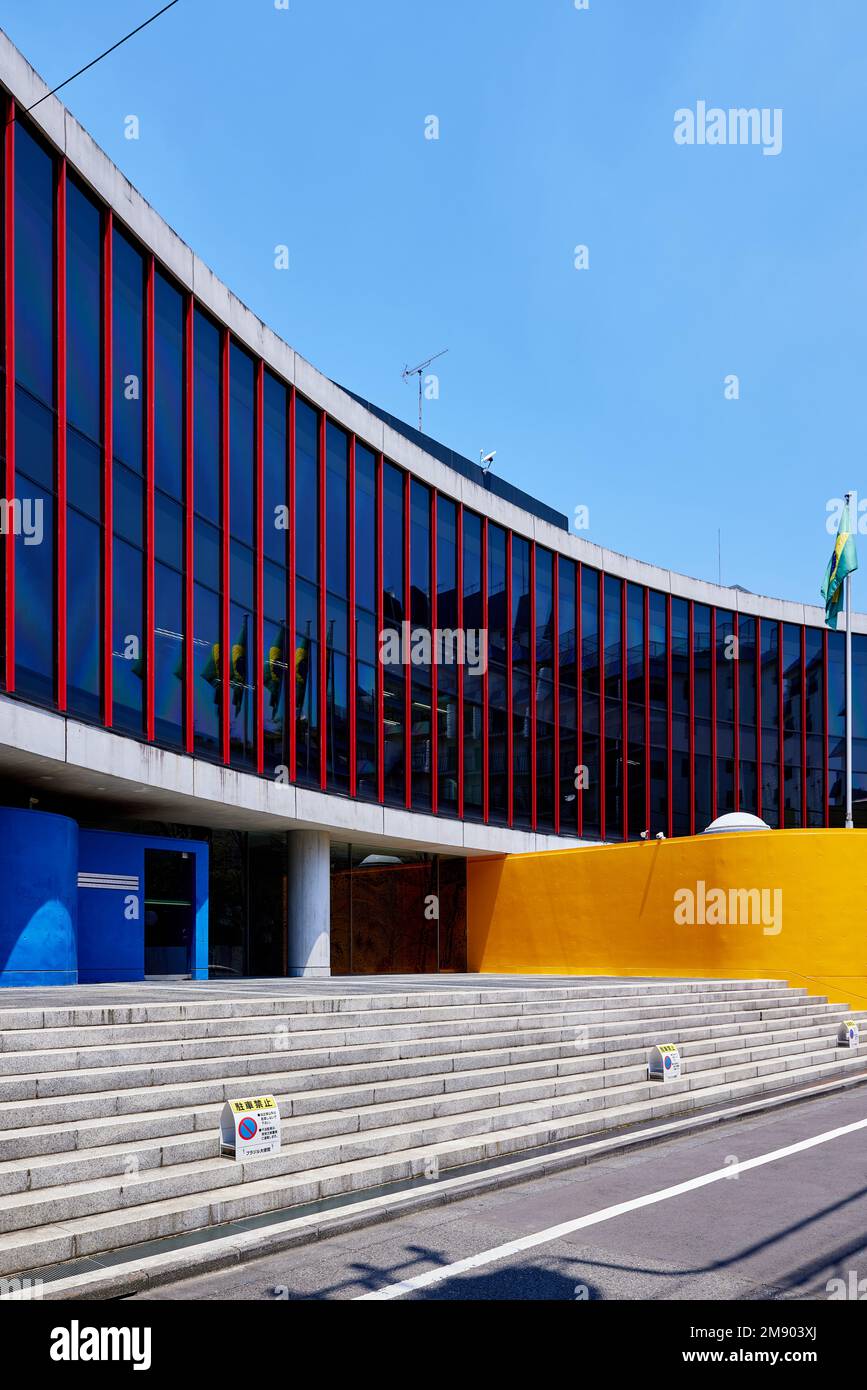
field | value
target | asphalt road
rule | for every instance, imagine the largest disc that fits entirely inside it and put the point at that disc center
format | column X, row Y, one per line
column 777, row 1231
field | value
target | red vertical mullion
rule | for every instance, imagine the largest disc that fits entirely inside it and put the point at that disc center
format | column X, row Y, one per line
column 257, row 681
column 737, row 714
column 226, row 519
column 579, row 704
column 781, row 748
column 603, row 826
column 647, row 731
column 434, row 672
column 459, row 607
column 9, row 280
column 691, row 658
column 150, row 464
column 407, row 611
column 486, row 754
column 510, row 696
column 291, row 646
column 107, row 463
column 189, row 509
column 803, row 726
column 714, row 789
column 323, row 608
column 758, row 667
column 669, row 714
column 60, row 290
column 380, row 674
column 555, row 676
column 351, row 695
column 825, row 741
column 534, row 805
column 624, row 700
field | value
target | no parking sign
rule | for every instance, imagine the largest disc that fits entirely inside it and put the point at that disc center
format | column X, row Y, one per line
column 664, row 1064
column 250, row 1128
column 849, row 1033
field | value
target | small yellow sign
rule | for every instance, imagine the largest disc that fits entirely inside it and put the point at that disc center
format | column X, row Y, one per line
column 260, row 1103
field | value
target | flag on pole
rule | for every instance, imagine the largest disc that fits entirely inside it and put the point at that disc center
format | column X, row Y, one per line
column 841, row 564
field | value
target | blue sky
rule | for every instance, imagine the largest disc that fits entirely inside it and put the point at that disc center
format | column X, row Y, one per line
column 601, row 387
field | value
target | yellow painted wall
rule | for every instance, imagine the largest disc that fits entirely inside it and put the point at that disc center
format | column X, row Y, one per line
column 610, row 910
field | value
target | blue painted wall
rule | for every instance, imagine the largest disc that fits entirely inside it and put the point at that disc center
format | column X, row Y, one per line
column 56, row 930
column 38, row 898
column 111, row 921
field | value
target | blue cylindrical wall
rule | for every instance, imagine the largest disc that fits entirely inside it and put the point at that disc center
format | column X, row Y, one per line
column 38, row 898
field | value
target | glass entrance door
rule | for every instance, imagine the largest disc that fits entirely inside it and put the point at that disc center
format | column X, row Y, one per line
column 170, row 911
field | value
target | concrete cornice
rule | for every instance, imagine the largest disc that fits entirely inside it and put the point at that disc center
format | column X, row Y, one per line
column 93, row 165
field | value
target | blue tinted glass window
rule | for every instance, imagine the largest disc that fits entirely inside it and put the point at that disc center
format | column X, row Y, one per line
column 35, row 625
column 365, row 529
column 473, row 617
column 128, row 504
column 592, row 723
column 336, row 544
column 168, row 656
column 206, row 418
column 394, row 715
column 168, row 530
column 568, row 711
column 34, row 439
column 83, row 311
column 34, row 266
column 207, row 672
column 128, row 654
column 544, row 689
column 168, row 387
column 242, row 443
column 128, row 351
column 84, row 474
column 83, row 614
column 306, row 491
column 275, row 502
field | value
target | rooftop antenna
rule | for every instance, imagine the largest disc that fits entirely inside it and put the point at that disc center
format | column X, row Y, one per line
column 719, row 556
column 419, row 371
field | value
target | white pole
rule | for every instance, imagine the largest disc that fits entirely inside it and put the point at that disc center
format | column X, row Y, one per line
column 848, row 581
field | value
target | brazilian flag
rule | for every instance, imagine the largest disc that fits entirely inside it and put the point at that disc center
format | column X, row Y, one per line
column 841, row 564
column 239, row 666
column 275, row 666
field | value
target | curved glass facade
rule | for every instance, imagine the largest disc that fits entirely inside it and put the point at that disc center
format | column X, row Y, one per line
column 203, row 559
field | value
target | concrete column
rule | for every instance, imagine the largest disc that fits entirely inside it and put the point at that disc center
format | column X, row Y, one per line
column 309, row 952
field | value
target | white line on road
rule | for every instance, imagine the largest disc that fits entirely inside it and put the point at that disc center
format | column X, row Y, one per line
column 593, row 1218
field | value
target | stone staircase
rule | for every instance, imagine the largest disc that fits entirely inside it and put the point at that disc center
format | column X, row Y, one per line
column 111, row 1111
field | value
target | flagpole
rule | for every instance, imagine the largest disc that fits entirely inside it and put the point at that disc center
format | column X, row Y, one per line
column 849, row 821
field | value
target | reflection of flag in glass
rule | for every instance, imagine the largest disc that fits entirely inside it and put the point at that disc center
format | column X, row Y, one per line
column 275, row 665
column 239, row 666
column 302, row 670
column 211, row 671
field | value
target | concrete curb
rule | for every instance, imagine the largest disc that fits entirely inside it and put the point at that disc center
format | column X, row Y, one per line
column 137, row 1276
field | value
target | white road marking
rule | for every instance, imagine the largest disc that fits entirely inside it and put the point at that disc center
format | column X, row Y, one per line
column 593, row 1218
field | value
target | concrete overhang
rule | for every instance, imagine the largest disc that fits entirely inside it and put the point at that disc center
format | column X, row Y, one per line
column 131, row 781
